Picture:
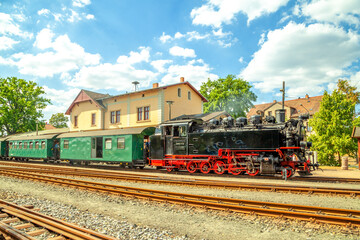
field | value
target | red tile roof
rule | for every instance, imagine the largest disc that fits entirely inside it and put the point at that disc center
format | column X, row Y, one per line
column 309, row 105
column 49, row 126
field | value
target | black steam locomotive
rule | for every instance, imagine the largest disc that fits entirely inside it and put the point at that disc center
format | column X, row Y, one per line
column 266, row 146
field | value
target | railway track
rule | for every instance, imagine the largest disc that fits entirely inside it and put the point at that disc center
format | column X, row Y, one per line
column 115, row 168
column 345, row 217
column 195, row 182
column 22, row 223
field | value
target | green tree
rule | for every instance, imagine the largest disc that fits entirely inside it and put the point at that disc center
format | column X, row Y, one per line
column 21, row 103
column 350, row 91
column 229, row 94
column 333, row 125
column 59, row 120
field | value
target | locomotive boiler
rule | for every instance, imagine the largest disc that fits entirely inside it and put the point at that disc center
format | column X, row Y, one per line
column 256, row 147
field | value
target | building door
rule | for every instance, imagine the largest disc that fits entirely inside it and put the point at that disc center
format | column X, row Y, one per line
column 96, row 147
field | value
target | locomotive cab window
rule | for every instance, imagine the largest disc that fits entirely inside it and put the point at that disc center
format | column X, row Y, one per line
column 168, row 130
column 108, row 143
column 180, row 131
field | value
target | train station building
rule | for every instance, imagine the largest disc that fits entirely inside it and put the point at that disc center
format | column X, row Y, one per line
column 143, row 108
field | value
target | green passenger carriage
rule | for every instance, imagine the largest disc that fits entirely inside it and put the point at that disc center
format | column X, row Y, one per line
column 32, row 147
column 121, row 146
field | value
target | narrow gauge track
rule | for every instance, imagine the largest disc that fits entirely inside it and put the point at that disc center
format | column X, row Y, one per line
column 189, row 182
column 350, row 218
column 109, row 167
column 15, row 222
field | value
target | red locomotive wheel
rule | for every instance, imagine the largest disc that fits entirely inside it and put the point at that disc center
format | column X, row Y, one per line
column 290, row 172
column 168, row 166
column 191, row 167
column 253, row 172
column 205, row 167
column 235, row 170
column 219, row 167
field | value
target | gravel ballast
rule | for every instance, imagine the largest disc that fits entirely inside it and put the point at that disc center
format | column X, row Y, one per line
column 127, row 218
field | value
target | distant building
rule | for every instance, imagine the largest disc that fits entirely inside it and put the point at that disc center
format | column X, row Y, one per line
column 143, row 108
column 293, row 108
column 49, row 126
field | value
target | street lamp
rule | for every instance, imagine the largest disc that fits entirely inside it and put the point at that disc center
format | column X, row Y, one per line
column 37, row 128
column 169, row 102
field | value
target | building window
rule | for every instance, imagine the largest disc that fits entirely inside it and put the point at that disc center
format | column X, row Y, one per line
column 139, row 114
column 179, row 92
column 189, row 95
column 112, row 117
column 269, row 113
column 66, row 144
column 43, row 144
column 36, row 145
column 75, row 121
column 121, row 143
column 108, row 143
column 31, row 145
column 93, row 119
column 146, row 113
column 118, row 116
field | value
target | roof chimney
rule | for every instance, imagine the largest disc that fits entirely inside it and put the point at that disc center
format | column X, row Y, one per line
column 182, row 79
column 275, row 101
column 307, row 96
column 155, row 85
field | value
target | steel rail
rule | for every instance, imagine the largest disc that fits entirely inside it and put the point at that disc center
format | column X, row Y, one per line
column 308, row 178
column 14, row 233
column 68, row 230
column 309, row 213
column 200, row 183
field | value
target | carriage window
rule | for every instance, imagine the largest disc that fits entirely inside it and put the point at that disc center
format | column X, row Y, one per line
column 66, row 144
column 11, row 144
column 42, row 144
column 15, row 146
column 31, row 145
column 121, row 143
column 20, row 145
column 25, row 145
column 108, row 143
column 37, row 145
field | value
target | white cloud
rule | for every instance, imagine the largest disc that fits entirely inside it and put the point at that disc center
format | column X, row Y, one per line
column 218, row 12
column 241, row 60
column 81, row 3
column 332, row 11
column 219, row 33
column 6, row 43
column 115, row 76
column 182, row 52
column 9, row 27
column 74, row 16
column 164, row 38
column 44, row 39
column 89, row 17
column 60, row 99
column 136, row 57
column 160, row 64
column 44, row 11
column 62, row 56
column 195, row 71
column 306, row 57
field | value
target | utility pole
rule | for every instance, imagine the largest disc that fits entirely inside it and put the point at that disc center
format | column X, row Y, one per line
column 169, row 102
column 283, row 95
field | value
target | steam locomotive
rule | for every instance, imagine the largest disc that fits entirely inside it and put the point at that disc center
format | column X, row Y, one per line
column 267, row 146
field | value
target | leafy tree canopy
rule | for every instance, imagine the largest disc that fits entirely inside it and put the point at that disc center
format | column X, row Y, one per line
column 333, row 126
column 350, row 91
column 229, row 94
column 59, row 120
column 21, row 103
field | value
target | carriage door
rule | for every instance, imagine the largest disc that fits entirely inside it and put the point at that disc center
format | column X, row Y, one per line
column 6, row 149
column 96, row 147
column 168, row 140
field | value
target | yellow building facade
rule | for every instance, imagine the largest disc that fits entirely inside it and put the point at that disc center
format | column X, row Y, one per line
column 150, row 107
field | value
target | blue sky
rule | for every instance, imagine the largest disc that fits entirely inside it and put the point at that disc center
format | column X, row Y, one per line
column 103, row 46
